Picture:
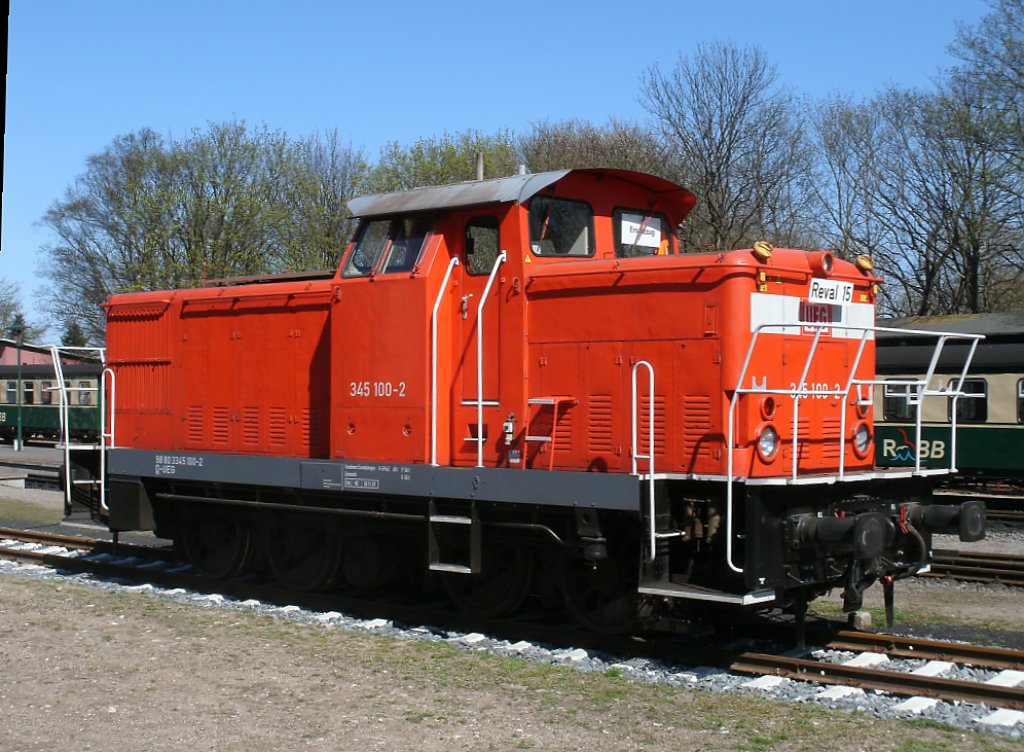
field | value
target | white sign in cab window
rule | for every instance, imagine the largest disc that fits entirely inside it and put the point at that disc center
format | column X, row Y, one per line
column 830, row 291
column 640, row 230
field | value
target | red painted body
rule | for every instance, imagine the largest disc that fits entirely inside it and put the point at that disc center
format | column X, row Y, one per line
column 470, row 396
column 341, row 368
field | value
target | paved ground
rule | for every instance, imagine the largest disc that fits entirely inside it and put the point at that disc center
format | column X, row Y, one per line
column 30, row 456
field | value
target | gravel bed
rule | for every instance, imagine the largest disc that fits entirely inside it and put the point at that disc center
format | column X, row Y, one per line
column 873, row 703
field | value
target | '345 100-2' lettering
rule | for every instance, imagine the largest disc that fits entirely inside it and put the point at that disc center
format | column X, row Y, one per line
column 376, row 389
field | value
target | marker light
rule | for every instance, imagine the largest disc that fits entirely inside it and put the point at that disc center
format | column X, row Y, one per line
column 763, row 250
column 864, row 262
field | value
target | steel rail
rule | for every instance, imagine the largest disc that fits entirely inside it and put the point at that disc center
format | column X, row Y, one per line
column 897, row 683
column 979, row 567
column 77, row 543
column 925, row 649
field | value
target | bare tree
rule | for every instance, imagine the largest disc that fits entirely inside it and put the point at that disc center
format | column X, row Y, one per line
column 735, row 142
column 993, row 63
column 322, row 174
column 10, row 304
column 578, row 143
column 912, row 179
column 439, row 160
column 147, row 214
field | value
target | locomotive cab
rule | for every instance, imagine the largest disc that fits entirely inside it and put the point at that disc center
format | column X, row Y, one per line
column 521, row 386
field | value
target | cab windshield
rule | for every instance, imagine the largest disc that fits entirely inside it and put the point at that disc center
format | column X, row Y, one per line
column 386, row 246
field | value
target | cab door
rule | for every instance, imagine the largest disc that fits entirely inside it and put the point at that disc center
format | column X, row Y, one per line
column 477, row 411
column 380, row 336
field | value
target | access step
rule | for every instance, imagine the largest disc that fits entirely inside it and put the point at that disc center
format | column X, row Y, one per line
column 453, row 540
column 698, row 593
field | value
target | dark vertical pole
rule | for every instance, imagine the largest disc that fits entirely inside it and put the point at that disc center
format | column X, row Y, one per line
column 19, row 331
column 887, row 594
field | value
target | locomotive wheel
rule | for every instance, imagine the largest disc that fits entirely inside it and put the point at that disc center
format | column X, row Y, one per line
column 602, row 596
column 216, row 545
column 303, row 557
column 501, row 586
column 369, row 561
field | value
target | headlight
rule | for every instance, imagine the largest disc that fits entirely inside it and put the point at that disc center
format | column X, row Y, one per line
column 861, row 439
column 767, row 443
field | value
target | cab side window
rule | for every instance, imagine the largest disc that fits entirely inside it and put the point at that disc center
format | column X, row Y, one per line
column 482, row 243
column 407, row 236
column 638, row 233
column 561, row 227
column 387, row 246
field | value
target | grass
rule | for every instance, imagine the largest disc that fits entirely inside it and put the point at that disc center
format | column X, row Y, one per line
column 27, row 511
column 436, row 687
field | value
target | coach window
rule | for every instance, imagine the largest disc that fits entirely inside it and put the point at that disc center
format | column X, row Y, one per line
column 84, row 396
column 45, row 395
column 972, row 407
column 1020, row 401
column 560, row 227
column 12, row 392
column 30, row 393
column 481, row 244
column 899, row 403
column 638, row 233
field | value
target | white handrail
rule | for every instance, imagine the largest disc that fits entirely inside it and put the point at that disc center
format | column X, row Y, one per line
column 102, row 405
column 480, row 359
column 635, row 448
column 801, row 391
column 433, row 359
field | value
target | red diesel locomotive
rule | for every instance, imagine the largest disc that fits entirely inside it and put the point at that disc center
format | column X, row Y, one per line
column 520, row 386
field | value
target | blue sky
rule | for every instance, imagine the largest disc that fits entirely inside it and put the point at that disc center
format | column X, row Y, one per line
column 80, row 73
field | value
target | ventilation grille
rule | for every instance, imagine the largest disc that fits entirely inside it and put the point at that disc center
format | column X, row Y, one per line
column 599, row 424
column 805, row 433
column 221, row 426
column 696, row 425
column 148, row 384
column 312, row 429
column 563, row 431
column 277, row 430
column 645, row 424
column 251, row 426
column 830, row 429
column 194, row 433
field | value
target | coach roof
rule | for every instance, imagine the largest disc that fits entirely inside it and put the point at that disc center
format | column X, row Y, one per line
column 517, row 188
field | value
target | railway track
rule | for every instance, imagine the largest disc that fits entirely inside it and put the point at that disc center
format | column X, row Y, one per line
column 978, row 566
column 1006, row 507
column 158, row 567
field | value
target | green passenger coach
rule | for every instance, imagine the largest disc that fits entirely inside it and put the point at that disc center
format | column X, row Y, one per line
column 35, row 399
column 989, row 410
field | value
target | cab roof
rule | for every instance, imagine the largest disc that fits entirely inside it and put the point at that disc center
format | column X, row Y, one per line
column 514, row 189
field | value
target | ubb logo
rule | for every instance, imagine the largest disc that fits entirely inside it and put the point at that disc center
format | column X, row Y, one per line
column 908, row 452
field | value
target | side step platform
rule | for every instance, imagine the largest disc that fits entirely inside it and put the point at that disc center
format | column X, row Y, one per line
column 453, row 541
column 84, row 490
column 698, row 593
